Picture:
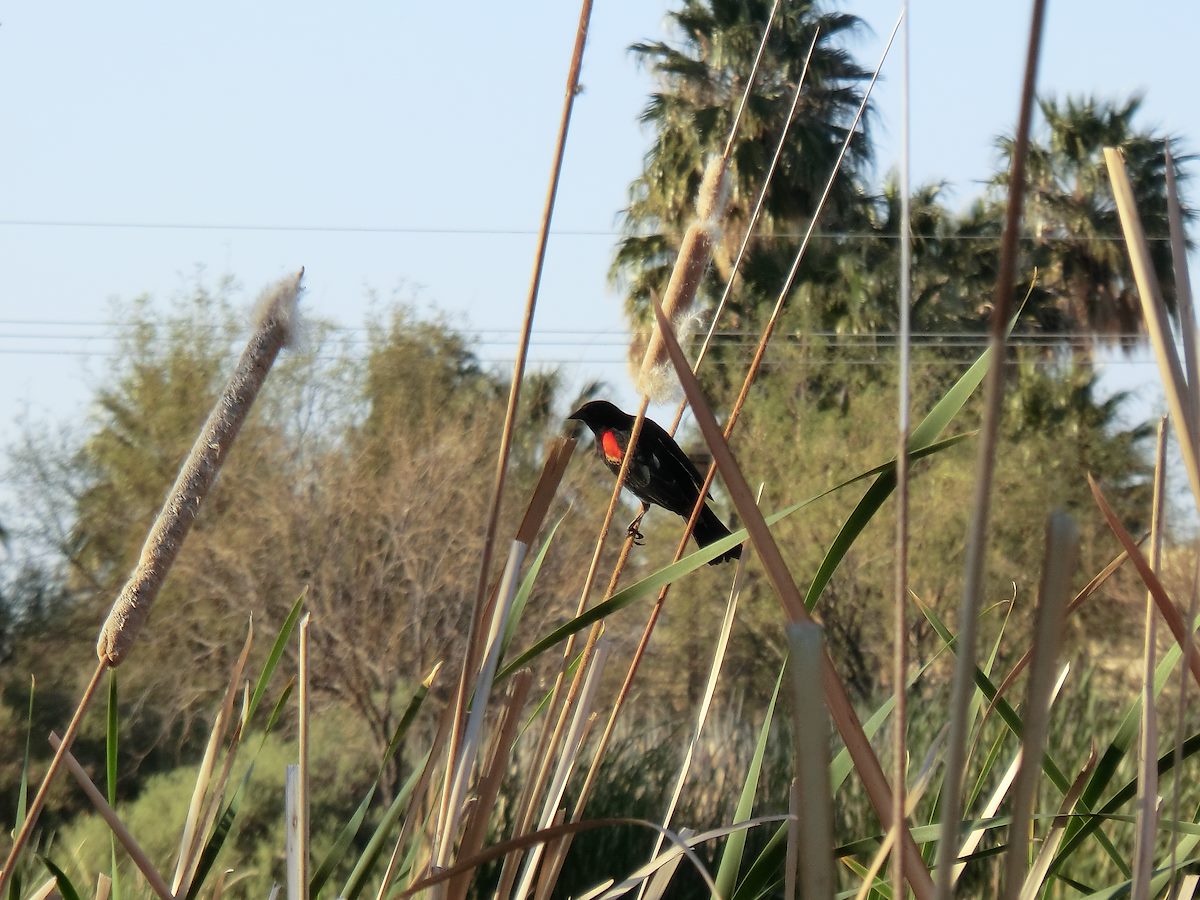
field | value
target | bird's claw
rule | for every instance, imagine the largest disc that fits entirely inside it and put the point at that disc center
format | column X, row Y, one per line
column 636, row 536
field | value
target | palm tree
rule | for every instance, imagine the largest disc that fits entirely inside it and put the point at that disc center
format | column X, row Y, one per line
column 700, row 79
column 1086, row 285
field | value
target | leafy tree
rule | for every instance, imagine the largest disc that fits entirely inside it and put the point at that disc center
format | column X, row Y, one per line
column 700, row 78
column 1087, row 286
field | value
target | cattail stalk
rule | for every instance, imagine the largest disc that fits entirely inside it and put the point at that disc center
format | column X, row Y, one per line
column 275, row 326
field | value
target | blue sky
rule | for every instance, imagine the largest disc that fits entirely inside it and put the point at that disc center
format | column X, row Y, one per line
column 403, row 149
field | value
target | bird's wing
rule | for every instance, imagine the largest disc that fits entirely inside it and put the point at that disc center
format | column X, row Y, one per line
column 675, row 457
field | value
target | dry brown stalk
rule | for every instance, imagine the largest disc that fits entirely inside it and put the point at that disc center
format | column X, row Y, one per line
column 558, row 456
column 814, row 838
column 1062, row 551
column 153, row 878
column 1166, row 607
column 963, row 685
column 475, row 829
column 196, row 821
column 1158, row 327
column 1147, row 786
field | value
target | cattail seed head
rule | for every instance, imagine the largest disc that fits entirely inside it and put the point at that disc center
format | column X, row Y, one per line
column 655, row 375
column 275, row 322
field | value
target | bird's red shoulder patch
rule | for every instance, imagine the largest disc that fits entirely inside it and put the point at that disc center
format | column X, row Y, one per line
column 612, row 449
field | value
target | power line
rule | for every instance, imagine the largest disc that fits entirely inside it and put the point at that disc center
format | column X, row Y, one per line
column 466, row 231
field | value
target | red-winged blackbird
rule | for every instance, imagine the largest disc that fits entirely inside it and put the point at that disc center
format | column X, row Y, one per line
column 659, row 473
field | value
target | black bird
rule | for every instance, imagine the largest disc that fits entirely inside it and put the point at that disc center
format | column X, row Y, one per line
column 660, row 472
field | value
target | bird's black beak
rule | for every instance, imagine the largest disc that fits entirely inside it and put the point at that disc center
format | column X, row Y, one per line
column 576, row 415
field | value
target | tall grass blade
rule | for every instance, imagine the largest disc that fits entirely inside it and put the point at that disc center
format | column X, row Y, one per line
column 65, row 887
column 1147, row 802
column 272, row 661
column 370, row 855
column 350, row 830
column 224, row 824
column 731, row 858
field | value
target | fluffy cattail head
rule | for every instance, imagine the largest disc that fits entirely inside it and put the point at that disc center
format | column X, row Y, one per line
column 654, row 374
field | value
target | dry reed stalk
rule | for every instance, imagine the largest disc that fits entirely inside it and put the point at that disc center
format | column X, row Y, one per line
column 1158, row 328
column 548, row 874
column 1183, row 286
column 103, row 887
column 514, row 394
column 468, row 751
column 558, row 456
column 572, row 745
column 791, row 859
column 39, row 799
column 810, row 733
column 445, row 721
column 1062, row 551
column 157, row 883
column 963, row 685
column 475, row 829
column 1181, row 720
column 48, row 889
column 865, row 762
column 1147, row 788
column 275, row 325
column 291, row 836
column 1166, row 607
column 189, row 841
column 903, row 403
column 1191, row 359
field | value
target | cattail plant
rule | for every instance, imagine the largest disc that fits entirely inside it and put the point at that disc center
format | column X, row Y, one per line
column 276, row 322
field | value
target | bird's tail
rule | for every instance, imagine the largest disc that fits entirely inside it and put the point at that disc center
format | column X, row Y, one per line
column 709, row 529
